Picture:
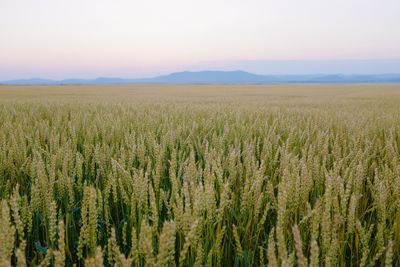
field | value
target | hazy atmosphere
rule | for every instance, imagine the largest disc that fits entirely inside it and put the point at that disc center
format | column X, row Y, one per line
column 199, row 133
column 87, row 39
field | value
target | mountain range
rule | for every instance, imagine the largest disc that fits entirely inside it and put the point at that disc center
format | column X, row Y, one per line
column 219, row 77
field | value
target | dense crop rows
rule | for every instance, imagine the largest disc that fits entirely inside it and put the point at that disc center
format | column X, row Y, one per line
column 200, row 184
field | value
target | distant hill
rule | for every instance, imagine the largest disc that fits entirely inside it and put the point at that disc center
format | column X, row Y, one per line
column 220, row 77
column 29, row 81
column 211, row 77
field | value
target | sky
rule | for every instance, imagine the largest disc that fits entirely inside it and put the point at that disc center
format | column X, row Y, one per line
column 141, row 38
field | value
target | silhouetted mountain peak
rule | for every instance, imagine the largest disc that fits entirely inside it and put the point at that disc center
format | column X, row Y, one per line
column 221, row 77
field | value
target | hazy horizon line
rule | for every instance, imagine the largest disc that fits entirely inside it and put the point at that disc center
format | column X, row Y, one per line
column 260, row 67
column 216, row 77
column 193, row 71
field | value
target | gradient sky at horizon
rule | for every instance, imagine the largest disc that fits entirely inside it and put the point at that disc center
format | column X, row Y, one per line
column 90, row 38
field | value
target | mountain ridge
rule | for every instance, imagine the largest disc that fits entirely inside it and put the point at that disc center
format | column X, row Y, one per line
column 218, row 77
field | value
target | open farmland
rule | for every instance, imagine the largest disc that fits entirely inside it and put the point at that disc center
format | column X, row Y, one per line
column 197, row 175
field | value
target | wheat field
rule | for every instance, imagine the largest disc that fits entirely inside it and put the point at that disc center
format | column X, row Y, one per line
column 228, row 175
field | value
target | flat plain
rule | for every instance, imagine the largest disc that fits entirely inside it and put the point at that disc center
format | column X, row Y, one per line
column 200, row 175
column 202, row 93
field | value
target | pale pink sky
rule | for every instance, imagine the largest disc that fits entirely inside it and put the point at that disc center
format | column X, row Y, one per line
column 128, row 38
